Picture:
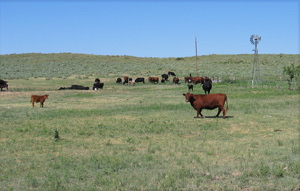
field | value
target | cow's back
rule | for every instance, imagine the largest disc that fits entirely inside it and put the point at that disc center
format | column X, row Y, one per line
column 35, row 98
column 210, row 101
column 214, row 100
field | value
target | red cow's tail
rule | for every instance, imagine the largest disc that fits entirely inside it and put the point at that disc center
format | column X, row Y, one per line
column 226, row 104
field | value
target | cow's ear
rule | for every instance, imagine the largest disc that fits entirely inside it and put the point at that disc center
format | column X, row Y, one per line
column 183, row 94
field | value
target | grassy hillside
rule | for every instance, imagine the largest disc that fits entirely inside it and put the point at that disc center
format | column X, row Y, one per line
column 24, row 66
column 145, row 137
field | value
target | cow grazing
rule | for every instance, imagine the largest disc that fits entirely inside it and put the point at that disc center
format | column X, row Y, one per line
column 207, row 85
column 191, row 87
column 209, row 101
column 97, row 86
column 127, row 80
column 176, row 80
column 38, row 98
column 131, row 83
column 171, row 73
column 153, row 80
column 140, row 80
column 119, row 80
column 165, row 77
column 4, row 86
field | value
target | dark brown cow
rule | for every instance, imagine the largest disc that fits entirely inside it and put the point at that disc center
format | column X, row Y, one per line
column 153, row 79
column 187, row 79
column 4, row 86
column 38, row 98
column 209, row 101
column 176, row 80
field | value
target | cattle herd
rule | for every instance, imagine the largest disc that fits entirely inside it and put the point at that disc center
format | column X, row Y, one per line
column 197, row 101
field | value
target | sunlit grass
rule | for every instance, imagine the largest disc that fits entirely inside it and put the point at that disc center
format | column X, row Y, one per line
column 147, row 137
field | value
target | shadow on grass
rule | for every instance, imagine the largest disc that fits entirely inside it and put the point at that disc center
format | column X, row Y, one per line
column 210, row 117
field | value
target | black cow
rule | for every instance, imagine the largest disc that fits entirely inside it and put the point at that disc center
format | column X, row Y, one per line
column 74, row 87
column 127, row 80
column 4, row 86
column 191, row 87
column 119, row 80
column 207, row 85
column 140, row 80
column 165, row 76
column 171, row 73
column 97, row 86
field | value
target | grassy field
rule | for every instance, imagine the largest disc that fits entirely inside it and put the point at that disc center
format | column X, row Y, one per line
column 146, row 137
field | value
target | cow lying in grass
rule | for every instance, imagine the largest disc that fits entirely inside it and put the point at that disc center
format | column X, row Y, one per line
column 209, row 101
column 74, row 87
column 37, row 98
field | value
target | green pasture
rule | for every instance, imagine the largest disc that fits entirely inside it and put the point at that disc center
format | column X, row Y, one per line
column 146, row 137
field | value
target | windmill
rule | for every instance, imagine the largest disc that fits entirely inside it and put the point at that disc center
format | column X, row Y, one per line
column 255, row 39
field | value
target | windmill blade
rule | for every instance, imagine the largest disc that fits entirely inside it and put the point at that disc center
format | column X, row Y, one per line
column 252, row 39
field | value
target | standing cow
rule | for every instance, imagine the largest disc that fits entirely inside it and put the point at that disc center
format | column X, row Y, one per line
column 153, row 80
column 207, row 85
column 140, row 80
column 38, row 98
column 165, row 77
column 176, row 80
column 3, row 84
column 209, row 101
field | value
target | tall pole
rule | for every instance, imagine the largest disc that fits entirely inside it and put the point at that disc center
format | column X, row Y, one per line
column 196, row 57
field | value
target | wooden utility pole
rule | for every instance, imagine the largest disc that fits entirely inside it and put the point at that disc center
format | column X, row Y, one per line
column 196, row 57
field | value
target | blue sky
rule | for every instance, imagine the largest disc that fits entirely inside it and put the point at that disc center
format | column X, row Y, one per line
column 153, row 28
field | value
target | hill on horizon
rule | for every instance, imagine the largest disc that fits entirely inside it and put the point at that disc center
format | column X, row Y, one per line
column 64, row 65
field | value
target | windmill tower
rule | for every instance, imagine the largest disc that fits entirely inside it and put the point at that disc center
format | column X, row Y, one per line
column 256, row 74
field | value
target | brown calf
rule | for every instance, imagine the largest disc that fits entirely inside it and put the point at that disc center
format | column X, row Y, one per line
column 209, row 101
column 37, row 98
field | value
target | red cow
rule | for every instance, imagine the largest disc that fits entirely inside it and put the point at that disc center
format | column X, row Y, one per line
column 197, row 80
column 209, row 101
column 153, row 79
column 37, row 98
